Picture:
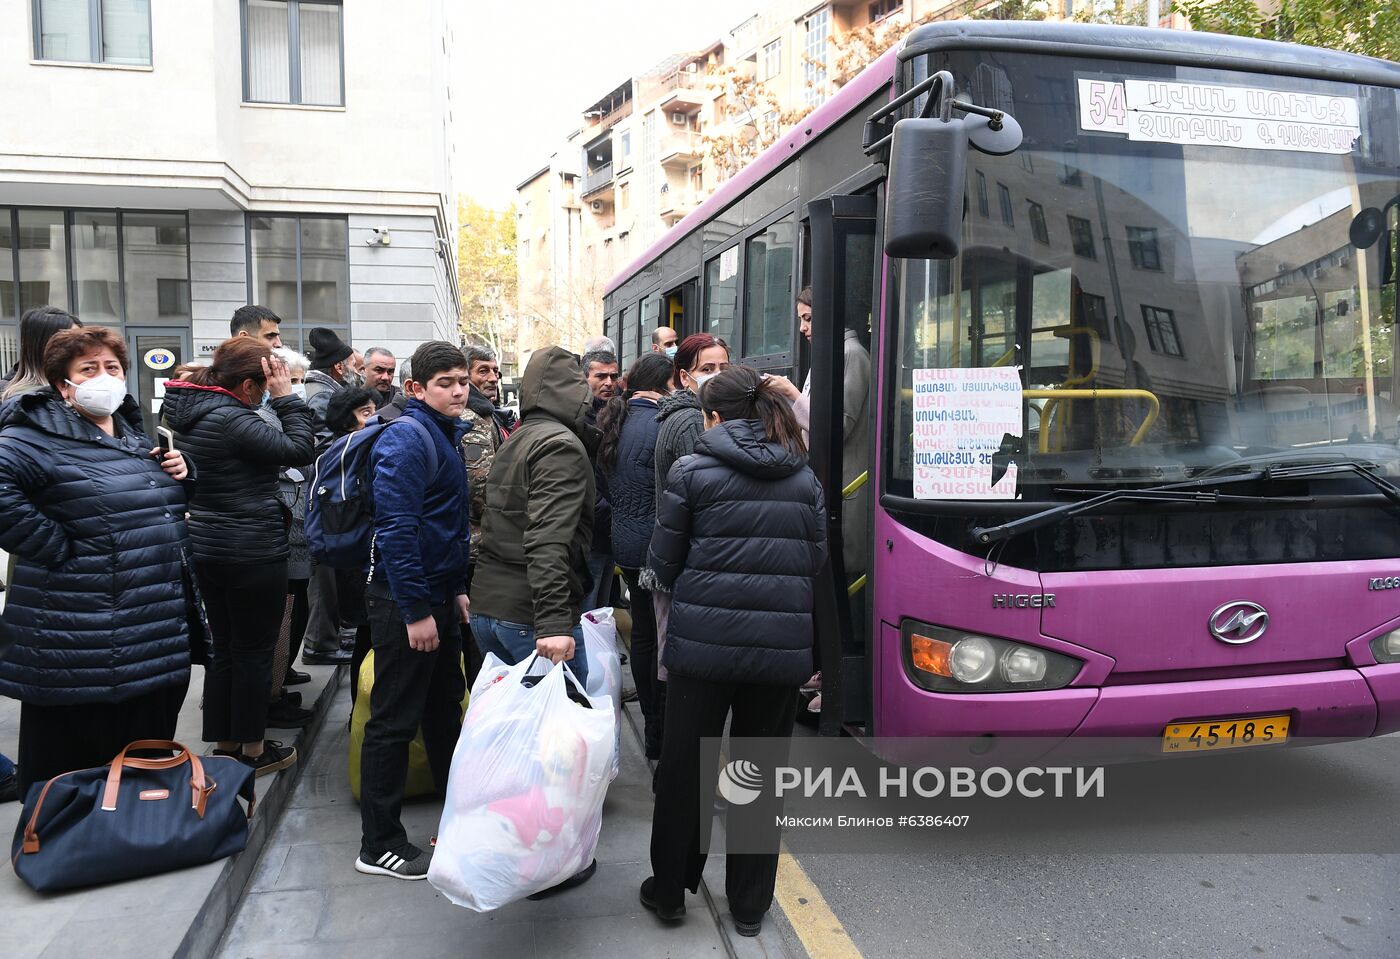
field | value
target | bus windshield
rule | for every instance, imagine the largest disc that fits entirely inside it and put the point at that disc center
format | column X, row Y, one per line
column 1202, row 280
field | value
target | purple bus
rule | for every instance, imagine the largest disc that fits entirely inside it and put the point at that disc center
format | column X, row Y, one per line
column 1103, row 375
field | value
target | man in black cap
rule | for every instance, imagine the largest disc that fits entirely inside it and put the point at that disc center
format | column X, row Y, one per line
column 330, row 373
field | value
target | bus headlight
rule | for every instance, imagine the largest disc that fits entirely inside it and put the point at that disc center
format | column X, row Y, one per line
column 952, row 661
column 1386, row 647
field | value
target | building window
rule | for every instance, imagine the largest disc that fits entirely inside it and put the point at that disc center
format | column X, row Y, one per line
column 816, row 29
column 772, row 59
column 1142, row 247
column 883, row 8
column 1081, row 236
column 623, row 200
column 292, row 52
column 1038, row 228
column 626, row 145
column 111, row 267
column 1095, row 314
column 93, row 31
column 1007, row 215
column 768, row 291
column 299, row 268
column 1161, row 330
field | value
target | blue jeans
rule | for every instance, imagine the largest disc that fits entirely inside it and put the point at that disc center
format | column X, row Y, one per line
column 513, row 642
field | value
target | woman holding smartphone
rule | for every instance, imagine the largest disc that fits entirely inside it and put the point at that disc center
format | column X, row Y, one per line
column 97, row 609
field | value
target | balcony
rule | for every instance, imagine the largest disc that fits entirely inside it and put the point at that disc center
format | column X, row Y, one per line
column 674, row 205
column 683, row 92
column 596, row 182
column 681, row 148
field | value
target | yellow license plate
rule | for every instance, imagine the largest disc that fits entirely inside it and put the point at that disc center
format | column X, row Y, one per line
column 1204, row 734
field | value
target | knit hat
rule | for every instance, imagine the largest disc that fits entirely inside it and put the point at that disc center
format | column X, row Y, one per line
column 327, row 349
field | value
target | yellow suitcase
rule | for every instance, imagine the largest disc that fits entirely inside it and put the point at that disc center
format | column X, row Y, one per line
column 420, row 777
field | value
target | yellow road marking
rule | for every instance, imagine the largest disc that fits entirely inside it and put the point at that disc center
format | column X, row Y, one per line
column 821, row 933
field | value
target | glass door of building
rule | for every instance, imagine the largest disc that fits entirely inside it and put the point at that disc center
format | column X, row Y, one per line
column 153, row 352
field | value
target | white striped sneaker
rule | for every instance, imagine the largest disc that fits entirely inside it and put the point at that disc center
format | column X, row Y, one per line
column 396, row 866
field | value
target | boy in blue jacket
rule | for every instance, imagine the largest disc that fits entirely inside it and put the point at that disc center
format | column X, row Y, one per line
column 416, row 598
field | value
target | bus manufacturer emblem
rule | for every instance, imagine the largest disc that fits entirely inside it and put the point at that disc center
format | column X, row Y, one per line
column 1239, row 622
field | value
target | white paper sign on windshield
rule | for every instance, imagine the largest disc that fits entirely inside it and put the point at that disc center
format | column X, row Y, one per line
column 960, row 419
column 1209, row 114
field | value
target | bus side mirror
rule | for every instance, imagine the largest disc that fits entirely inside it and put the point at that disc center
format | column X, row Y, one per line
column 928, row 174
column 924, row 189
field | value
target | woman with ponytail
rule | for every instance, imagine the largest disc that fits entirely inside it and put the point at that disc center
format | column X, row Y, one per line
column 740, row 536
column 626, row 455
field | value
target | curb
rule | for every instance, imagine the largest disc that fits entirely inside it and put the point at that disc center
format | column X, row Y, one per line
column 206, row 933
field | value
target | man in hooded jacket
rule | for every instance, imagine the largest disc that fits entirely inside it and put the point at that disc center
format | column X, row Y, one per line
column 532, row 570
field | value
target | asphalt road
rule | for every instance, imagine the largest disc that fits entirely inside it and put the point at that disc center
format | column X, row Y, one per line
column 1019, row 894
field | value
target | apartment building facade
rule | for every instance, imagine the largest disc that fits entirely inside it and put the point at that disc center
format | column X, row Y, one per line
column 166, row 162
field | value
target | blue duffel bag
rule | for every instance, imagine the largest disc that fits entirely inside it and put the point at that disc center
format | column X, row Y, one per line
column 135, row 817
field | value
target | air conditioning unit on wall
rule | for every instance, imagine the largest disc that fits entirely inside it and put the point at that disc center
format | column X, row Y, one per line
column 596, row 206
column 678, row 119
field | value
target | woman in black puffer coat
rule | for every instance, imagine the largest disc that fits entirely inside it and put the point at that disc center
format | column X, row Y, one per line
column 239, row 530
column 626, row 455
column 97, row 609
column 739, row 539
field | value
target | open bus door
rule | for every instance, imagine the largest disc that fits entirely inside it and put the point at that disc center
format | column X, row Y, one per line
column 845, row 260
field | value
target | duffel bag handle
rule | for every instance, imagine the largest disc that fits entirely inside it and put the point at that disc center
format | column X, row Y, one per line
column 200, row 788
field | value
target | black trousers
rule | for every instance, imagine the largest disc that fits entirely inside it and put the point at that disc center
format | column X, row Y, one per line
column 58, row 739
column 651, row 692
column 245, row 604
column 411, row 689
column 696, row 709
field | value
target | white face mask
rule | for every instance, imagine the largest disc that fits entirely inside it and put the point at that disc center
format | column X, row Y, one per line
column 299, row 390
column 101, row 395
column 700, row 379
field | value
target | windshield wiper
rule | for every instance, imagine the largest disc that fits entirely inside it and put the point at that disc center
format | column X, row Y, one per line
column 1190, row 491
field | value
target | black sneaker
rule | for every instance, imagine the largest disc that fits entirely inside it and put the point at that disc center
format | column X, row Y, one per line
column 282, row 714
column 648, row 897
column 577, row 879
column 413, row 864
column 296, row 678
column 327, row 657
column 274, row 756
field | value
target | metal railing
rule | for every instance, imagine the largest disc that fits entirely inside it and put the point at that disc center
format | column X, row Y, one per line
column 597, row 179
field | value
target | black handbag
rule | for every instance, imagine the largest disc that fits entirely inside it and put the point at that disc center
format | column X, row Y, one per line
column 136, row 817
column 196, row 619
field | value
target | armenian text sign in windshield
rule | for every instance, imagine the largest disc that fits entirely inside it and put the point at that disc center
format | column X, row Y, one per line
column 961, row 417
column 1210, row 114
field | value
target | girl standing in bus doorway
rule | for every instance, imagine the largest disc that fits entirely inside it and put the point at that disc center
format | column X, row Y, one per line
column 699, row 358
column 743, row 517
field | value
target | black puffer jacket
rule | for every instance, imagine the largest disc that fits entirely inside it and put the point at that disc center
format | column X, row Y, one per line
column 632, row 485
column 235, row 516
column 740, row 535
column 681, row 425
column 97, row 607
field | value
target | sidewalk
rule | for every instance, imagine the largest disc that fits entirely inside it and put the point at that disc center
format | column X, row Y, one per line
column 295, row 892
column 176, row 914
column 306, row 899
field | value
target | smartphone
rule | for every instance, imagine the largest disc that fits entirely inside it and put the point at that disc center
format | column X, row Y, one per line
column 165, row 439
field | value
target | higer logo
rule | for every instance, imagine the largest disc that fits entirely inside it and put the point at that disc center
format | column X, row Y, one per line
column 1239, row 622
column 740, row 782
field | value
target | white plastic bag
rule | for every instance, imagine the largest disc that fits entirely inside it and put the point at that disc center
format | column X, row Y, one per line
column 604, row 667
column 525, row 795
